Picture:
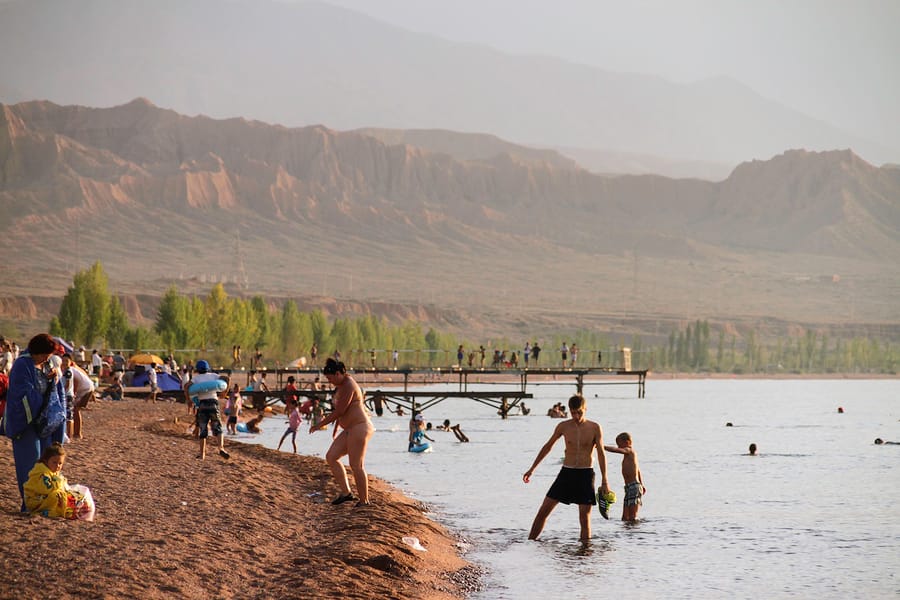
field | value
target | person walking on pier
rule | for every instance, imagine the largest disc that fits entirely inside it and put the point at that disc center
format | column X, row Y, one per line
column 536, row 353
column 564, row 352
column 575, row 482
column 526, row 353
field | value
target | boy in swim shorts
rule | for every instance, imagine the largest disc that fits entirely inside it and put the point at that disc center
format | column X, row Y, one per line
column 631, row 473
column 575, row 482
column 208, row 408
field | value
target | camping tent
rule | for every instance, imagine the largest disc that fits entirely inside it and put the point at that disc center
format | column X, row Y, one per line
column 166, row 381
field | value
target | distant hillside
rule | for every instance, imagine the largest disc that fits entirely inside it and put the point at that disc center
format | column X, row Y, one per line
column 467, row 146
column 605, row 162
column 156, row 195
column 306, row 63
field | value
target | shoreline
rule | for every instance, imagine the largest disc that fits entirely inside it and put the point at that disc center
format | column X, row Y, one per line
column 258, row 525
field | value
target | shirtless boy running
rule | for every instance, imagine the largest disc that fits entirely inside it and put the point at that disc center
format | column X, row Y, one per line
column 575, row 482
column 351, row 414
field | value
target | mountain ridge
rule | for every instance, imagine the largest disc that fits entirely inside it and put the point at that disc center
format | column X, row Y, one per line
column 162, row 197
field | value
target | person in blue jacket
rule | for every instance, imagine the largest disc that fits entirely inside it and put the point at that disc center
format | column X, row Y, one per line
column 30, row 380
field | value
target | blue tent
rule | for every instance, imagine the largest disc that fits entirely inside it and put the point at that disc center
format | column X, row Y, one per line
column 166, row 381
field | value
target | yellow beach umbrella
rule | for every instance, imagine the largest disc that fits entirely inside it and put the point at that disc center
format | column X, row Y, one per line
column 145, row 359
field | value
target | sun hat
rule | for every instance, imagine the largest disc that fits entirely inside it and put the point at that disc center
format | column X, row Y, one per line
column 420, row 417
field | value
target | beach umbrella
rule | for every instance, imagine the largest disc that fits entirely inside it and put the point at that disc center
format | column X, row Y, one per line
column 66, row 345
column 145, row 359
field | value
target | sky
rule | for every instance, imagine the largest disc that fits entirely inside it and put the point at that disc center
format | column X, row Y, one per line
column 835, row 60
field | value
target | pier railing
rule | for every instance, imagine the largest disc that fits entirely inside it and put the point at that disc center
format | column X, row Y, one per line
column 392, row 385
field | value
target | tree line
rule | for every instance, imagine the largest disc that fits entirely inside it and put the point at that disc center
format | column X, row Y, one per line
column 213, row 325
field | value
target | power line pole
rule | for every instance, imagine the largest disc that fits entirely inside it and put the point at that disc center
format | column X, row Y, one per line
column 238, row 258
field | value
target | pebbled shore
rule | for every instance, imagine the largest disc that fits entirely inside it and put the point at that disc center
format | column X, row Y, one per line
column 256, row 526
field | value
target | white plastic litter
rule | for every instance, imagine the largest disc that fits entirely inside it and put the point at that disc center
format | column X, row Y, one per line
column 413, row 543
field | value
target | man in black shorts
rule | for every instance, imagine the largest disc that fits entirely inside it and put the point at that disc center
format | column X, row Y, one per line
column 575, row 482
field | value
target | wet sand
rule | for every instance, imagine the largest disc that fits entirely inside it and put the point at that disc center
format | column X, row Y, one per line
column 258, row 525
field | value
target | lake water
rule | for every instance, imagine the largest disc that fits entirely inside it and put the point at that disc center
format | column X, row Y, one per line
column 815, row 514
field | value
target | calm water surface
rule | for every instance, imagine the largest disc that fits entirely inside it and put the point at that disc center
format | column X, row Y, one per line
column 816, row 514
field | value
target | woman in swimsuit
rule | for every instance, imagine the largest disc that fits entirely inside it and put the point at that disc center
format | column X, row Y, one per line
column 352, row 416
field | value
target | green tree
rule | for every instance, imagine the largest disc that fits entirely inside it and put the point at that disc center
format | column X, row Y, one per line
column 720, row 350
column 291, row 326
column 809, row 349
column 703, row 359
column 172, row 319
column 84, row 311
column 97, row 298
column 344, row 336
column 246, row 322
column 320, row 328
column 139, row 338
column 220, row 324
column 54, row 328
column 117, row 327
column 70, row 321
column 680, row 351
column 197, row 335
column 261, row 310
column 750, row 350
column 670, row 355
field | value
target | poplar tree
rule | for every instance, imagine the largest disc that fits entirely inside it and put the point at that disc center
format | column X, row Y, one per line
column 84, row 312
column 117, row 328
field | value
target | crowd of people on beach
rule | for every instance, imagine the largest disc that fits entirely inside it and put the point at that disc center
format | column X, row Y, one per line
column 58, row 384
column 52, row 386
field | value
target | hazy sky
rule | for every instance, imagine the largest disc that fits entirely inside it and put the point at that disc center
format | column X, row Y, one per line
column 837, row 60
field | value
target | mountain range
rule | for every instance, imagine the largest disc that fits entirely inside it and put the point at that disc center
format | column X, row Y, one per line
column 307, row 63
column 506, row 238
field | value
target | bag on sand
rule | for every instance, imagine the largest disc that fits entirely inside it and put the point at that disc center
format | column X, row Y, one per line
column 81, row 503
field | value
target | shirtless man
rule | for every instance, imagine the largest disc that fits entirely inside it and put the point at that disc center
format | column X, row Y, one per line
column 352, row 416
column 575, row 482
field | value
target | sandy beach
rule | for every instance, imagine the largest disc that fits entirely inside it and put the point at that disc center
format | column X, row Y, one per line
column 259, row 525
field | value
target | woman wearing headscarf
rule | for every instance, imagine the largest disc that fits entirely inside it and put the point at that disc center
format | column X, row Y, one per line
column 33, row 381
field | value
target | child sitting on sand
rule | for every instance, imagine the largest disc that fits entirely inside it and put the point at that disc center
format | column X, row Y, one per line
column 631, row 472
column 48, row 493
column 114, row 391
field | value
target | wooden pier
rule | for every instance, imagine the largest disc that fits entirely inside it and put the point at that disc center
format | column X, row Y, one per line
column 384, row 385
